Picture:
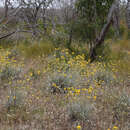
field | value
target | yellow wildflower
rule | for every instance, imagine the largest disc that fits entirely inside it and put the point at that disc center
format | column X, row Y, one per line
column 31, row 74
column 115, row 128
column 14, row 97
column 94, row 97
column 38, row 72
column 78, row 127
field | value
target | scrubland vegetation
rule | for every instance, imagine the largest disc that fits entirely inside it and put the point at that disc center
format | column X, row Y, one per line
column 73, row 75
column 43, row 87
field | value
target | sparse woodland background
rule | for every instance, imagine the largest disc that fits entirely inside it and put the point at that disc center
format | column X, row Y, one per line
column 64, row 65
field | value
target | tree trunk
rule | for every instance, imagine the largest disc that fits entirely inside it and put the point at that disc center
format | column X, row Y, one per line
column 6, row 9
column 70, row 39
column 128, row 14
column 100, row 39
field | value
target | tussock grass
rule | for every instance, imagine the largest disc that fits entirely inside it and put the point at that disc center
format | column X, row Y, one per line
column 34, row 49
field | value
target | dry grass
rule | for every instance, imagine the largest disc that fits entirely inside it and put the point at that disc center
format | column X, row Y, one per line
column 97, row 99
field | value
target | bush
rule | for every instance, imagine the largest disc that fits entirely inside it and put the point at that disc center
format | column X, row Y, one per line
column 13, row 54
column 9, row 73
column 104, row 76
column 103, row 53
column 15, row 100
column 80, row 110
column 59, row 82
column 60, row 39
column 122, row 107
column 34, row 75
column 117, row 103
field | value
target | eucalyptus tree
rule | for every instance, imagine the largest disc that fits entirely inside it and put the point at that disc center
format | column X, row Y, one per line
column 95, row 18
column 34, row 11
column 67, row 18
column 92, row 16
column 9, row 19
column 25, row 16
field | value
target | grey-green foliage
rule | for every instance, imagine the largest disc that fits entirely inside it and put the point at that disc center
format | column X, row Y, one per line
column 14, row 53
column 9, row 73
column 63, row 80
column 102, row 76
column 15, row 100
column 106, row 76
column 122, row 106
column 80, row 110
column 34, row 74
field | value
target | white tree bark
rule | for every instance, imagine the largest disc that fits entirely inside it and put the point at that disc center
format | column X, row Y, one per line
column 100, row 39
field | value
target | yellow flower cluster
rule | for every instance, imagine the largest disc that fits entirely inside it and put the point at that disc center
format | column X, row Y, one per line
column 90, row 78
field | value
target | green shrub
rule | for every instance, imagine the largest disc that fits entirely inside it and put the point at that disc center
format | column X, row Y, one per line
column 59, row 38
column 103, row 53
column 122, row 29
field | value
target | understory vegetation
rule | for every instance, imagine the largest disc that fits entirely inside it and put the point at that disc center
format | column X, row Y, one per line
column 48, row 88
column 64, row 64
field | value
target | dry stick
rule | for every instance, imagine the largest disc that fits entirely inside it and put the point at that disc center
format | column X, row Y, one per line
column 7, row 35
column 100, row 39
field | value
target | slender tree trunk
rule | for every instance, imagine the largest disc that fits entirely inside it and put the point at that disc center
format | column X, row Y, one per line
column 128, row 14
column 6, row 9
column 70, row 39
column 100, row 39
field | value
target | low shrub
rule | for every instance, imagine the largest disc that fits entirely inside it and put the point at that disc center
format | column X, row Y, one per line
column 122, row 107
column 13, row 54
column 80, row 110
column 117, row 103
column 34, row 75
column 15, row 100
column 8, row 72
column 59, row 82
column 105, row 77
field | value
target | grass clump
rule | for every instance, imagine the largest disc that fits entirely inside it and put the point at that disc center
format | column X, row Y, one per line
column 83, row 93
column 15, row 100
column 43, row 48
column 59, row 82
column 105, row 77
column 34, row 75
column 8, row 73
column 80, row 110
column 13, row 54
column 122, row 107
